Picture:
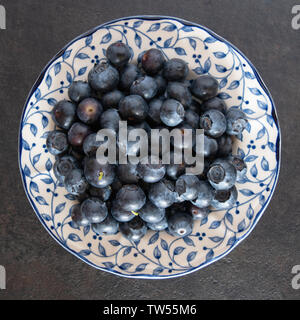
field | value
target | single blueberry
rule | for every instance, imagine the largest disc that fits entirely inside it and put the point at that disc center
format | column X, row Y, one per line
column 57, row 142
column 78, row 217
column 236, row 121
column 175, row 69
column 133, row 230
column 133, row 108
column 204, row 195
column 131, row 197
column 225, row 199
column 205, row 87
column 75, row 182
column 179, row 91
column 118, row 54
column 172, row 113
column 103, row 77
column 146, row 87
column 151, row 169
column 89, row 110
column 79, row 90
column 153, row 61
column 213, row 122
column 77, row 134
column 94, row 209
column 64, row 114
column 222, row 174
column 107, row 227
column 180, row 224
column 162, row 194
column 98, row 175
column 150, row 213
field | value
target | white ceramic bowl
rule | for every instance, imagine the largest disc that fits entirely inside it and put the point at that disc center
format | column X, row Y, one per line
column 157, row 255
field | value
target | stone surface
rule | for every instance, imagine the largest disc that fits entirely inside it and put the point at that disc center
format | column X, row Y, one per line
column 260, row 268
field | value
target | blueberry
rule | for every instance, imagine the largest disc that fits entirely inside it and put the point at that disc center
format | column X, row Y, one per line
column 180, row 224
column 79, row 90
column 213, row 122
column 133, row 230
column 151, row 172
column 75, row 182
column 214, row 103
column 224, row 145
column 236, row 121
column 192, row 118
column 162, row 194
column 91, row 145
column 133, row 108
column 154, row 110
column 225, row 199
column 94, row 209
column 63, row 166
column 57, row 142
column 179, row 91
column 210, row 146
column 120, row 214
column 89, row 110
column 158, row 226
column 187, row 187
column 199, row 213
column 161, row 84
column 118, row 54
column 150, row 213
column 112, row 99
column 240, row 166
column 103, row 194
column 77, row 134
column 103, row 77
column 205, row 87
column 146, row 87
column 204, row 196
column 175, row 70
column 64, row 114
column 127, row 173
column 153, row 61
column 98, row 175
column 107, row 227
column 131, row 197
column 222, row 174
column 128, row 75
column 77, row 216
column 172, row 113
column 110, row 120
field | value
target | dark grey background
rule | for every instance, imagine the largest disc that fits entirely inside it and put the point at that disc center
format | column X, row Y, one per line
column 260, row 268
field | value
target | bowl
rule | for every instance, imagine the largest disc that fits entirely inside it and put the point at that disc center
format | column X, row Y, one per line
column 158, row 255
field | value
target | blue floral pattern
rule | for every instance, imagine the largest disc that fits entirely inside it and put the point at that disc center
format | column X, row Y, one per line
column 158, row 254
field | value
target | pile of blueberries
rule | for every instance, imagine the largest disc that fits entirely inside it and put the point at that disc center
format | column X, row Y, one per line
column 152, row 94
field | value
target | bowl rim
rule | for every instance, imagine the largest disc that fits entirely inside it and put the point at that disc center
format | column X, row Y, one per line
column 258, row 78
